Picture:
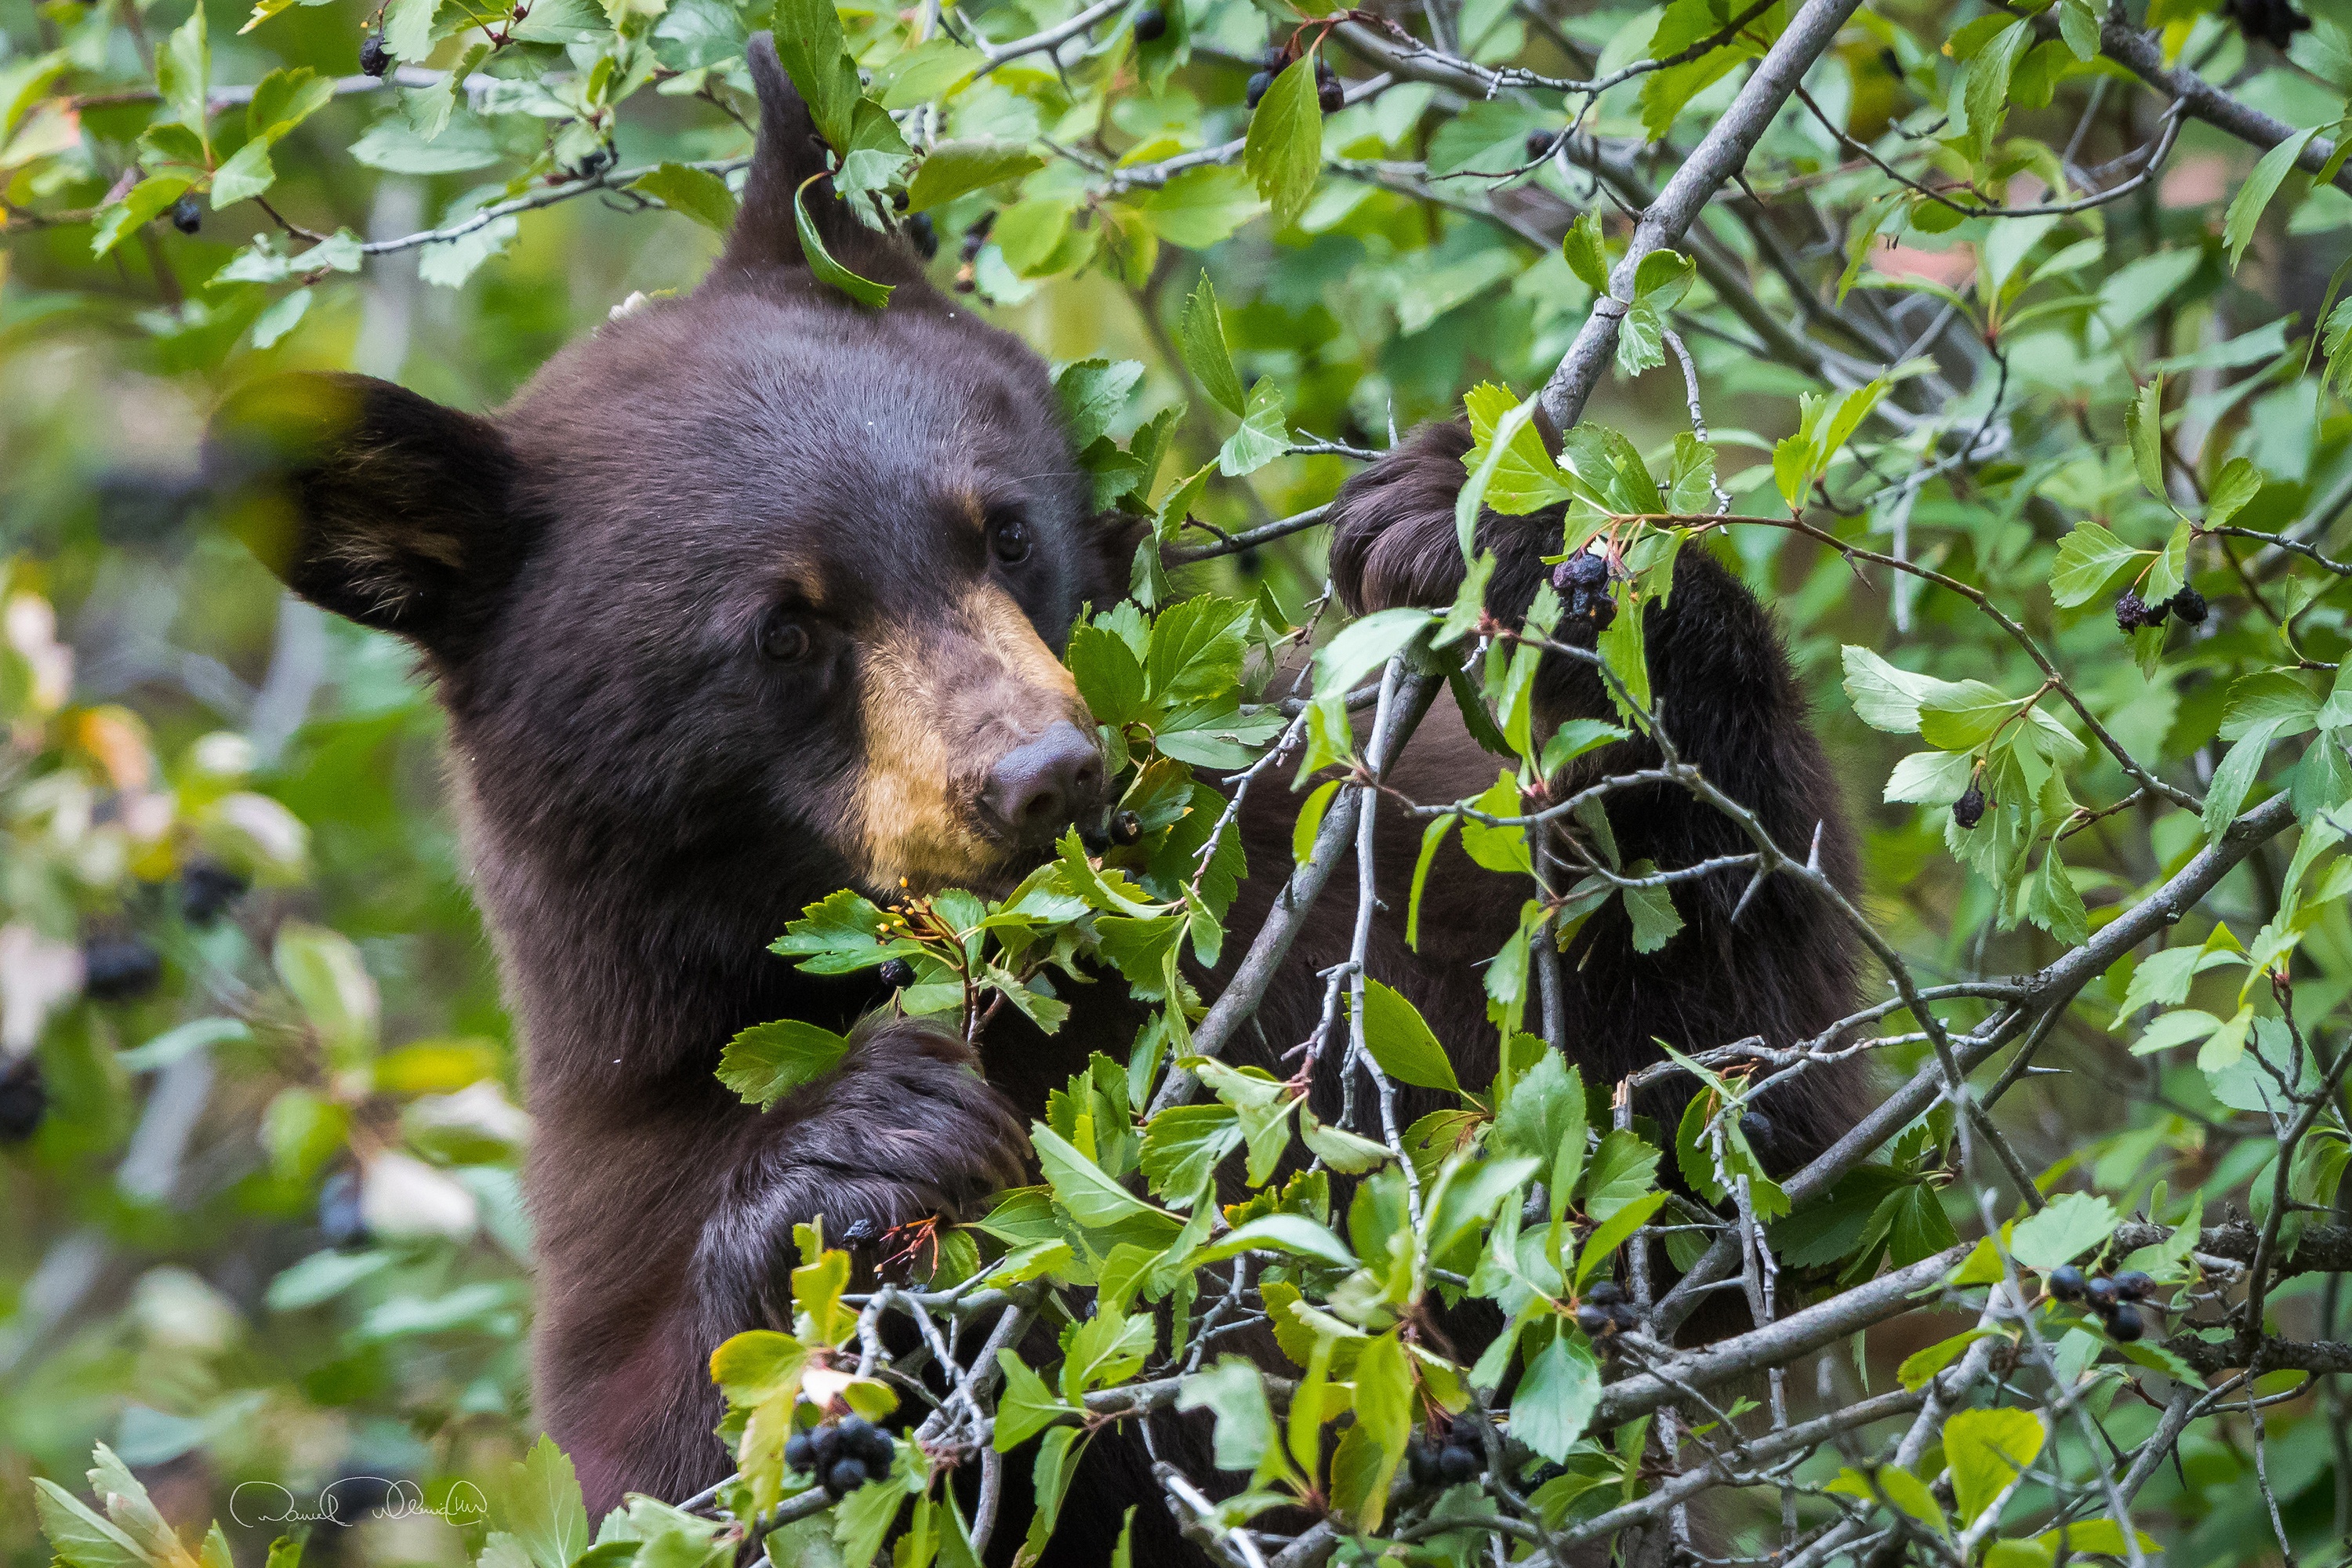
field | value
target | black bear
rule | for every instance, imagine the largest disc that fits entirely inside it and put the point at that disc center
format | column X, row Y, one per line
column 757, row 593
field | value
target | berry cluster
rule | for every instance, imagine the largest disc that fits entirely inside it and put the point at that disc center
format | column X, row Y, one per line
column 1606, row 1312
column 1329, row 91
column 844, row 1454
column 1583, row 580
column 1449, row 1461
column 2110, row 1295
column 2132, row 612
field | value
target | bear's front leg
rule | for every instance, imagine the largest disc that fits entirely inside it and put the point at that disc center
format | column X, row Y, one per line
column 903, row 1129
column 1722, row 689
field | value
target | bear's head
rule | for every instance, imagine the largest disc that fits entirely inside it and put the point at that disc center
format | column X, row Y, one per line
column 757, row 561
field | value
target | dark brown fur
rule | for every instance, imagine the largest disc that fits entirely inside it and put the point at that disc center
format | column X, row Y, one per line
column 647, row 802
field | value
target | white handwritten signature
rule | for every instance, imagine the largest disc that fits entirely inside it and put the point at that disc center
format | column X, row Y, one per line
column 265, row 1503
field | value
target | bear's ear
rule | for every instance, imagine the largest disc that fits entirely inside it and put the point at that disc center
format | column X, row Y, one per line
column 789, row 153
column 369, row 501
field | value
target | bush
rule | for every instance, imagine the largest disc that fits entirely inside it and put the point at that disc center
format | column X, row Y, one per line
column 2064, row 453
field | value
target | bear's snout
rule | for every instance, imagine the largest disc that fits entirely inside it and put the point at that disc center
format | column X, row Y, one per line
column 1041, row 786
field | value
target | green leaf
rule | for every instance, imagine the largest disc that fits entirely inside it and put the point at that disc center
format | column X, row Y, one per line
column 1401, row 1041
column 1523, row 478
column 2245, row 214
column 322, row 968
column 1984, row 1451
column 1234, row 1392
column 1555, row 1399
column 952, row 169
column 2238, row 482
column 828, row 271
column 141, row 205
column 544, row 1510
column 810, row 44
column 1283, row 149
column 2144, row 428
column 768, row 1061
column 926, row 72
column 284, row 99
column 1026, row 1407
column 1962, row 715
column 183, row 72
column 1183, row 1143
column 1651, row 910
column 1363, row 646
column 1588, row 258
column 1371, row 1449
column 1623, row 1169
column 1199, row 207
column 696, row 193
column 2087, row 557
column 78, row 1535
column 2072, row 1224
column 1093, row 1199
column 1202, row 337
column 246, row 173
column 1984, row 84
column 1264, row 436
column 2235, row 777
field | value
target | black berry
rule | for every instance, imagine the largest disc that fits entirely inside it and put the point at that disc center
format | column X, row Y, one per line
column 1604, row 1293
column 2191, row 606
column 340, row 1220
column 119, row 968
column 924, row 234
column 374, row 58
column 1583, row 569
column 864, row 1441
column 2126, row 1324
column 24, row 1100
column 2101, row 1294
column 187, row 215
column 2066, row 1283
column 895, row 973
column 1458, row 1462
column 1330, row 95
column 800, row 1451
column 2132, row 612
column 1756, row 1127
column 2134, row 1286
column 1420, row 1460
column 1126, row 827
column 1969, row 810
column 1539, row 143
column 846, row 1476
column 1150, row 25
column 1273, row 58
column 1595, row 1322
column 206, row 890
column 1625, row 1316
column 1257, row 85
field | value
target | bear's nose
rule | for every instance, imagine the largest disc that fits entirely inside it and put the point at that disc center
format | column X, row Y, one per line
column 1036, row 788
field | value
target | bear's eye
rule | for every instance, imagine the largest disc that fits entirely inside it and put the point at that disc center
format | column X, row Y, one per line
column 1008, row 538
column 783, row 637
